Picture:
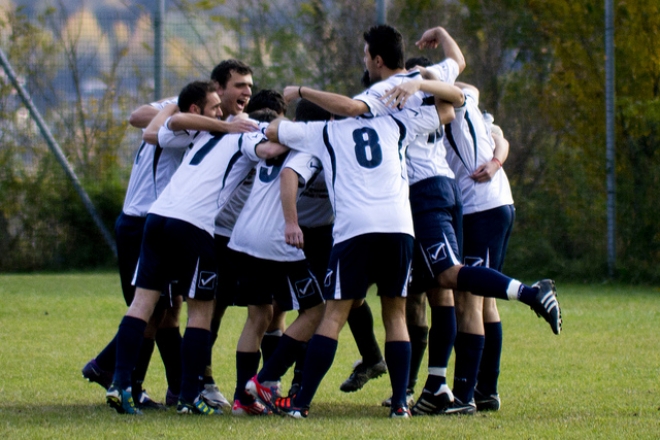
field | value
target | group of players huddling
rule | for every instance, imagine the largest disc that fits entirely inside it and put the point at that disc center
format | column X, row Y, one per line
column 229, row 203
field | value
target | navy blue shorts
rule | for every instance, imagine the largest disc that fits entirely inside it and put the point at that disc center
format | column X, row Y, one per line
column 318, row 245
column 487, row 236
column 437, row 210
column 128, row 238
column 290, row 283
column 357, row 263
column 227, row 277
column 175, row 251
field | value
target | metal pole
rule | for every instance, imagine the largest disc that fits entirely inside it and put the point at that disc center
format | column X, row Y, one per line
column 610, row 168
column 159, row 18
column 57, row 151
column 381, row 11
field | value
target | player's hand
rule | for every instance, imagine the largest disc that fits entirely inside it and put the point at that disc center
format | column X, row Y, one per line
column 430, row 39
column 398, row 95
column 293, row 235
column 485, row 172
column 291, row 93
column 241, row 125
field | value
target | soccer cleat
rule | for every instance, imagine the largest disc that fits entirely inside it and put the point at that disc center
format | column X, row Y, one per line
column 401, row 412
column 487, row 402
column 459, row 408
column 265, row 392
column 362, row 374
column 121, row 400
column 171, row 399
column 410, row 399
column 295, row 388
column 433, row 403
column 213, row 397
column 546, row 305
column 93, row 373
column 143, row 401
column 198, row 407
column 255, row 408
column 286, row 407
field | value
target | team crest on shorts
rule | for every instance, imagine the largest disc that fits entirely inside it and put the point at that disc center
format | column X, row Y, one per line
column 207, row 280
column 305, row 287
column 437, row 252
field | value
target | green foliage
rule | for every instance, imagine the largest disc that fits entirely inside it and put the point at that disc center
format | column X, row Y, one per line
column 42, row 221
column 539, row 66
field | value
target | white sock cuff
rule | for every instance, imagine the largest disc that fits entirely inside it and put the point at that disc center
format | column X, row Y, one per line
column 513, row 289
column 438, row 371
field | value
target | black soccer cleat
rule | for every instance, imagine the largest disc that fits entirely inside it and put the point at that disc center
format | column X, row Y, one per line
column 458, row 408
column 362, row 374
column 485, row 402
column 93, row 373
column 546, row 305
column 430, row 403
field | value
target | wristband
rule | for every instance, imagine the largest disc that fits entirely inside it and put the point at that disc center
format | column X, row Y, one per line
column 497, row 161
column 299, row 92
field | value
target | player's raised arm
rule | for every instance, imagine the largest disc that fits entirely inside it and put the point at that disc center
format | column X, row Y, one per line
column 398, row 95
column 150, row 134
column 191, row 121
column 438, row 36
column 332, row 102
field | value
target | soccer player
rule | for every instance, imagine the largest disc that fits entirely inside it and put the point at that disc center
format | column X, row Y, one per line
column 476, row 153
column 270, row 270
column 234, row 82
column 152, row 169
column 373, row 233
column 436, row 204
column 178, row 248
column 309, row 220
column 151, row 172
column 299, row 185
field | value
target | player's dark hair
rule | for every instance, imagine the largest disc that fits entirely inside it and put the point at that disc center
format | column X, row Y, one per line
column 267, row 98
column 222, row 72
column 418, row 61
column 366, row 79
column 386, row 41
column 263, row 115
column 308, row 111
column 195, row 93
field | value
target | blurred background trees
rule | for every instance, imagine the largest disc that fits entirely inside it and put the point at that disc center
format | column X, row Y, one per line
column 539, row 66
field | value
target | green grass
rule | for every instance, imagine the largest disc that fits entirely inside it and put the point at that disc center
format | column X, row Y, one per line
column 599, row 379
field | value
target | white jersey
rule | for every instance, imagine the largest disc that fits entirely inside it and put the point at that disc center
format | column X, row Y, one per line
column 426, row 155
column 469, row 145
column 314, row 207
column 364, row 167
column 259, row 230
column 206, row 178
column 226, row 218
column 152, row 169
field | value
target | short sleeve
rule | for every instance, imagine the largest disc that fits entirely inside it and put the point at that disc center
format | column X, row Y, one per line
column 446, row 70
column 174, row 139
column 302, row 136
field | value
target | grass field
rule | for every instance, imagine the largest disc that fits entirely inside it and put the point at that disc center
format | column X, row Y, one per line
column 599, row 379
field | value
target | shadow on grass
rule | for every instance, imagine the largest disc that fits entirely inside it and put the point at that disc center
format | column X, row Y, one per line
column 321, row 410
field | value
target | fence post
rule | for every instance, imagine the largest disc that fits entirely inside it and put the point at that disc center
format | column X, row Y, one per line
column 159, row 39
column 57, row 151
